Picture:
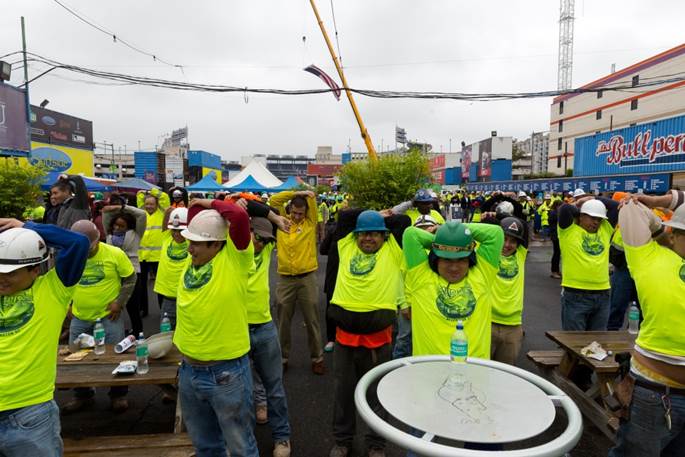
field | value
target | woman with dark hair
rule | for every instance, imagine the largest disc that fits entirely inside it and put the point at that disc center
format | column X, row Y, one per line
column 125, row 226
column 556, row 254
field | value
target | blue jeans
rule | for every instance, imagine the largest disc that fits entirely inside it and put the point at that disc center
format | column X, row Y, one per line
column 216, row 402
column 31, row 431
column 646, row 433
column 403, row 347
column 584, row 311
column 623, row 291
column 265, row 353
column 114, row 332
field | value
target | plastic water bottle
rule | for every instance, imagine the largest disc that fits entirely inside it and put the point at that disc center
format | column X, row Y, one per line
column 459, row 345
column 99, row 336
column 141, row 355
column 633, row 318
column 165, row 326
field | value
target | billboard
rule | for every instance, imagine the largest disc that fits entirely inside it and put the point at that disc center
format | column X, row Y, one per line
column 646, row 148
column 466, row 162
column 62, row 158
column 217, row 173
column 13, row 123
column 485, row 158
column 651, row 183
column 174, row 170
column 51, row 127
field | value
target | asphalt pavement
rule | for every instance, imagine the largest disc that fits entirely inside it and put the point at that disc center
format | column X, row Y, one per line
column 310, row 397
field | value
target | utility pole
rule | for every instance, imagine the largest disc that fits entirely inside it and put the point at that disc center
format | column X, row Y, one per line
column 26, row 82
column 362, row 128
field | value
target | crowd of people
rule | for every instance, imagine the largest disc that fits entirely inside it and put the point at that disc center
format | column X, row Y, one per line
column 397, row 281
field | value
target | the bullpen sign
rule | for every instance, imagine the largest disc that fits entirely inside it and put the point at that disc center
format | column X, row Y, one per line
column 13, row 122
column 657, row 146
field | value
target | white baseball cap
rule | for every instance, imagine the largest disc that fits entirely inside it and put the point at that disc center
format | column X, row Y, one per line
column 20, row 247
column 178, row 219
column 208, row 225
column 594, row 208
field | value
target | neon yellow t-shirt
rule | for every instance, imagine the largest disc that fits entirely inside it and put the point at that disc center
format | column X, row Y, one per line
column 414, row 214
column 368, row 282
column 507, row 288
column 172, row 261
column 436, row 306
column 258, row 309
column 585, row 256
column 659, row 275
column 100, row 283
column 30, row 324
column 211, row 320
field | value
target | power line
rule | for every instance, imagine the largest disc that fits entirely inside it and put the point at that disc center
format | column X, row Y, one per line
column 435, row 95
column 114, row 36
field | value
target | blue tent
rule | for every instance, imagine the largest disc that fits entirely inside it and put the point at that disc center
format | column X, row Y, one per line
column 206, row 184
column 135, row 183
column 291, row 183
column 249, row 184
column 91, row 184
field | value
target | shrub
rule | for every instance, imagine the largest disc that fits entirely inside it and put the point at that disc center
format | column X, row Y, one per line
column 20, row 188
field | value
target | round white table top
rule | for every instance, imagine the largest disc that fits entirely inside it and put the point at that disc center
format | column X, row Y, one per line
column 484, row 405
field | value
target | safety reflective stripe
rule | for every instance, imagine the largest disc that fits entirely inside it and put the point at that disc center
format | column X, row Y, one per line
column 153, row 227
column 150, row 248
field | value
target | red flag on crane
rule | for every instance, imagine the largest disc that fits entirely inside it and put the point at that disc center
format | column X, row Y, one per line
column 330, row 82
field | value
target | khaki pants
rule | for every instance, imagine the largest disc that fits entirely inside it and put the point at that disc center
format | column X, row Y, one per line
column 506, row 343
column 299, row 290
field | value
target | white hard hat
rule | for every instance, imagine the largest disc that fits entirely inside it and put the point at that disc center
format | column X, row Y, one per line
column 20, row 247
column 594, row 208
column 425, row 221
column 208, row 225
column 521, row 193
column 178, row 219
column 177, row 193
column 265, row 195
column 578, row 193
column 548, row 196
column 678, row 219
column 159, row 345
column 504, row 209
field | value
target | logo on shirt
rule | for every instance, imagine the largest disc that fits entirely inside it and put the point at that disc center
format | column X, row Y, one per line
column 592, row 244
column 194, row 278
column 682, row 273
column 92, row 274
column 508, row 267
column 177, row 252
column 362, row 264
column 455, row 304
column 15, row 312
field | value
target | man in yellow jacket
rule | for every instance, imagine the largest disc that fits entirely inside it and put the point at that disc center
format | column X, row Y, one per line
column 154, row 203
column 297, row 265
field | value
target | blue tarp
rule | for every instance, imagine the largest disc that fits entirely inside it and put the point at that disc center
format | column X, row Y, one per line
column 135, row 183
column 91, row 185
column 249, row 184
column 206, row 184
column 291, row 183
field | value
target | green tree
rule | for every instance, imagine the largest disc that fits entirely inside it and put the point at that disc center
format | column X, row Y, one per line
column 386, row 182
column 20, row 189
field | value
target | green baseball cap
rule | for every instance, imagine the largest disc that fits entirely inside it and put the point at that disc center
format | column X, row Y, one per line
column 453, row 240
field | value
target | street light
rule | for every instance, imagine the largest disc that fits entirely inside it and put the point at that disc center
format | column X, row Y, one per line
column 44, row 103
column 5, row 70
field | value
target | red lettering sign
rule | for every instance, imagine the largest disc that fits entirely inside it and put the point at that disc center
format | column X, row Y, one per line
column 642, row 146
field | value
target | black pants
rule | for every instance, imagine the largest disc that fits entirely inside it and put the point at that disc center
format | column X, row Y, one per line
column 349, row 365
column 556, row 254
column 133, row 309
column 330, row 323
column 141, row 286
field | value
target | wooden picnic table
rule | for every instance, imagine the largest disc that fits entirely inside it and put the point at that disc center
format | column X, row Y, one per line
column 96, row 371
column 590, row 401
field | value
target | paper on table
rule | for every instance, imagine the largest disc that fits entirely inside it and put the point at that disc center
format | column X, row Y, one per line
column 595, row 351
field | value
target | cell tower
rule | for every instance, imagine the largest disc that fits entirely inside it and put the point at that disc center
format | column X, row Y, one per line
column 566, row 9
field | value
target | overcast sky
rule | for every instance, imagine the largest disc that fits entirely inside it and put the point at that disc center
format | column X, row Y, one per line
column 408, row 45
